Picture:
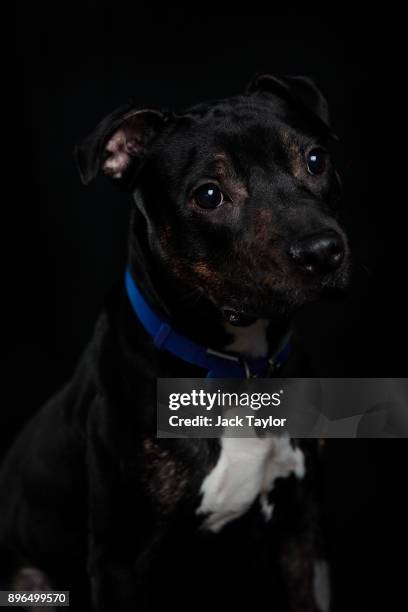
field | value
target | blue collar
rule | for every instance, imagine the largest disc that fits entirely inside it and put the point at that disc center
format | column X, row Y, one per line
column 217, row 364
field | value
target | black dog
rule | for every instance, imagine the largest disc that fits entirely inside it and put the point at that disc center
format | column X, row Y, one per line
column 233, row 229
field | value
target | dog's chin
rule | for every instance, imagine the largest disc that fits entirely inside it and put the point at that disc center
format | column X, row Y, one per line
column 283, row 303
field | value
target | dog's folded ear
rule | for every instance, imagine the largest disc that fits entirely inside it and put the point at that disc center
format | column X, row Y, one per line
column 298, row 89
column 118, row 142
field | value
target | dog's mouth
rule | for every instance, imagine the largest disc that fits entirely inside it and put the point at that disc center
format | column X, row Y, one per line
column 243, row 307
column 236, row 318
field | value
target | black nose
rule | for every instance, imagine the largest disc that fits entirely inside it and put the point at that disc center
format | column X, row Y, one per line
column 318, row 254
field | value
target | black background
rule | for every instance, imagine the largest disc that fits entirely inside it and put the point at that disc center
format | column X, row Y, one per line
column 66, row 244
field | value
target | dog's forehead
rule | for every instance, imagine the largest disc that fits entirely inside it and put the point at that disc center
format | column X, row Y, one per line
column 247, row 129
column 238, row 108
column 235, row 116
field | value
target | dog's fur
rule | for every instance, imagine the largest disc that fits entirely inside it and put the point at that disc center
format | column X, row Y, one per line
column 88, row 494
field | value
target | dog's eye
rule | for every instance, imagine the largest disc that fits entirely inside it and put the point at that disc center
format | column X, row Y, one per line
column 208, row 196
column 316, row 160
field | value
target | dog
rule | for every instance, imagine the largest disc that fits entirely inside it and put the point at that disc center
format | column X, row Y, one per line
column 234, row 227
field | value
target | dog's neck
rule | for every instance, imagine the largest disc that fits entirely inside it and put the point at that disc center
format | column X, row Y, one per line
column 195, row 316
column 249, row 341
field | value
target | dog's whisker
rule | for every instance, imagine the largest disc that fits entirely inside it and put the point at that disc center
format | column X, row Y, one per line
column 364, row 268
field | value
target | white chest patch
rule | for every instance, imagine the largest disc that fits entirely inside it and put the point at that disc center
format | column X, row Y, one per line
column 246, row 468
column 249, row 341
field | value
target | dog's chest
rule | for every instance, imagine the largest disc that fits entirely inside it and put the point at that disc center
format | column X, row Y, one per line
column 246, row 468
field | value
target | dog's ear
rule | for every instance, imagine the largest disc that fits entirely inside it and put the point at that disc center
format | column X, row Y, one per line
column 118, row 142
column 299, row 89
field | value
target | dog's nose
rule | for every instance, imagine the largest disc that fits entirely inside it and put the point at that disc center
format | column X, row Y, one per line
column 318, row 254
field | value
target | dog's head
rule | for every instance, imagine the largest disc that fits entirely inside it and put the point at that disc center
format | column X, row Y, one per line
column 240, row 196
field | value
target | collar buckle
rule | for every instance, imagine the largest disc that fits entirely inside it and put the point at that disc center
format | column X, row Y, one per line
column 247, row 369
column 273, row 366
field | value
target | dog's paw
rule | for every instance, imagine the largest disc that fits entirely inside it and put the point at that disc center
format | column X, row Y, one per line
column 32, row 579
